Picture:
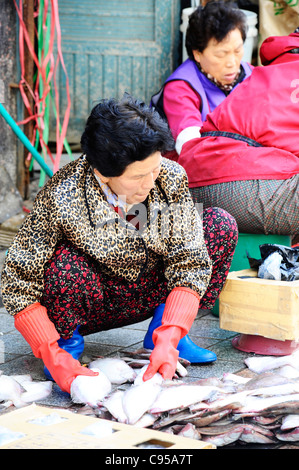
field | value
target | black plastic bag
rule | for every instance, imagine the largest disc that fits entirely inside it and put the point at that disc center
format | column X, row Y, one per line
column 287, row 262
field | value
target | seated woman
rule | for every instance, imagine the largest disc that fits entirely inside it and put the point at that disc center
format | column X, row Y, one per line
column 214, row 42
column 247, row 158
column 114, row 238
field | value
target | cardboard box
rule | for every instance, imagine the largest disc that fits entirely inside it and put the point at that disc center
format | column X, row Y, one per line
column 39, row 427
column 264, row 307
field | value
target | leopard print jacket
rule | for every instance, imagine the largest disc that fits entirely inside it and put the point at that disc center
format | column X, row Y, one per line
column 72, row 206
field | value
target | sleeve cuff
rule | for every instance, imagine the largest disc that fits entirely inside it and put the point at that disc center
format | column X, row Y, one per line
column 181, row 308
column 185, row 135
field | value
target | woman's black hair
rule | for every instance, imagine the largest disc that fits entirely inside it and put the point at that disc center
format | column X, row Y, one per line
column 120, row 132
column 214, row 20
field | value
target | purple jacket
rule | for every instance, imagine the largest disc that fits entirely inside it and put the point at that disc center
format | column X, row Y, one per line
column 211, row 96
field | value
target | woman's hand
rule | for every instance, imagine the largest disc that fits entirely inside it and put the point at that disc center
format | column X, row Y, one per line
column 62, row 366
column 165, row 355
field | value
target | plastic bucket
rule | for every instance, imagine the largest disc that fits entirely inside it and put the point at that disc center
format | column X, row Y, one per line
column 251, row 39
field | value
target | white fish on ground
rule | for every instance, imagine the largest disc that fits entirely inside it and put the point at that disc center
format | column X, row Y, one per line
column 237, row 379
column 181, row 396
column 291, row 436
column 181, row 370
column 138, row 400
column 275, row 390
column 11, row 391
column 232, row 400
column 36, row 390
column 244, row 432
column 22, row 378
column 258, row 404
column 256, row 435
column 289, row 422
column 21, row 389
column 117, row 370
column 288, row 372
column 157, row 378
column 113, row 403
column 266, row 379
column 145, row 421
column 266, row 363
column 190, row 431
column 226, row 438
column 90, row 390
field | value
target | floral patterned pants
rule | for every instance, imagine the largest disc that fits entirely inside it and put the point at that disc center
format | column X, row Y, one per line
column 77, row 292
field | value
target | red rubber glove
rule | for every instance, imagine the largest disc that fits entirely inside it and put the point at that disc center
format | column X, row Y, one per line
column 40, row 333
column 181, row 308
column 164, row 357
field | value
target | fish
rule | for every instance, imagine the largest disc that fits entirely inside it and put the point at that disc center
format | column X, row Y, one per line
column 143, row 353
column 209, row 418
column 22, row 378
column 136, row 363
column 258, row 404
column 288, row 371
column 116, row 369
column 266, row 363
column 11, row 391
column 113, row 403
column 233, row 401
column 238, row 432
column 190, row 431
column 234, row 378
column 182, row 396
column 90, row 390
column 292, row 436
column 250, row 400
column 256, row 435
column 141, row 357
column 181, row 370
column 289, row 422
column 265, row 379
column 157, row 378
column 145, row 421
column 138, row 399
column 225, row 438
column 283, row 389
column 20, row 390
column 99, row 412
column 267, row 420
column 36, row 391
column 210, row 381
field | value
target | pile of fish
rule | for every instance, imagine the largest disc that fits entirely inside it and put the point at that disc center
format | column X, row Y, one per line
column 259, row 410
column 262, row 409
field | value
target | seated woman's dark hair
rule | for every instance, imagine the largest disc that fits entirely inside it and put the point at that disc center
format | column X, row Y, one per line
column 214, row 20
column 120, row 132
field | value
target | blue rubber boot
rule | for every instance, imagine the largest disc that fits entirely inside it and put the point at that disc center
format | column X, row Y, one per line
column 187, row 349
column 73, row 345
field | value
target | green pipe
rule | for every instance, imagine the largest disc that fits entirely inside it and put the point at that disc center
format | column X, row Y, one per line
column 25, row 141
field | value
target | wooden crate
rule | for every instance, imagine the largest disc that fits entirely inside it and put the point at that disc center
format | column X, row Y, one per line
column 264, row 307
column 63, row 429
